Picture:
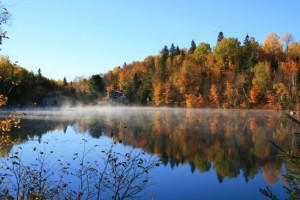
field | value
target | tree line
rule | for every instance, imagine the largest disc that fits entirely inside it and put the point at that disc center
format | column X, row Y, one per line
column 233, row 74
column 26, row 88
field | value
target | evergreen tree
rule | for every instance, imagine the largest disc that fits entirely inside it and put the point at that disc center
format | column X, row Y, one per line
column 177, row 51
column 163, row 69
column 39, row 73
column 248, row 53
column 145, row 92
column 193, row 47
column 246, row 40
column 163, row 73
column 96, row 87
column 172, row 50
column 164, row 54
column 136, row 83
column 65, row 81
column 133, row 88
column 220, row 37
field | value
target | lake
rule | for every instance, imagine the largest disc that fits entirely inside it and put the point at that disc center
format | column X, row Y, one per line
column 203, row 153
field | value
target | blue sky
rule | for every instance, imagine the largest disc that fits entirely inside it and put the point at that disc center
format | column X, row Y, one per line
column 69, row 38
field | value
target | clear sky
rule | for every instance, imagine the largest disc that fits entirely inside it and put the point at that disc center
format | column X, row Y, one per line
column 69, row 38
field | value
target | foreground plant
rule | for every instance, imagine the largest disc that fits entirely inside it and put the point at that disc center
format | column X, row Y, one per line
column 292, row 176
column 111, row 175
column 6, row 125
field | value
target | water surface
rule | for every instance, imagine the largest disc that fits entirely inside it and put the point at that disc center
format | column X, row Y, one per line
column 205, row 154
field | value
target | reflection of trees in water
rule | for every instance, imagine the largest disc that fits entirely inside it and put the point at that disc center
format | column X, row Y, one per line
column 233, row 142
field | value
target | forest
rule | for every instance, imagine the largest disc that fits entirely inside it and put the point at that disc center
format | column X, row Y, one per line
column 232, row 74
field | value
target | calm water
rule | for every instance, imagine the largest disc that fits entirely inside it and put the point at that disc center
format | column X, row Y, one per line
column 205, row 154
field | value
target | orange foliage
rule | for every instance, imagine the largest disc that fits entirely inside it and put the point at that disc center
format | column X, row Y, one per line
column 158, row 94
column 213, row 95
column 170, row 94
column 180, row 80
column 194, row 101
column 289, row 71
column 254, row 95
column 271, row 99
column 272, row 46
column 229, row 94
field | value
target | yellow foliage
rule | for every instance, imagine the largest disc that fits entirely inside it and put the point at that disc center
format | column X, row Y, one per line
column 289, row 71
column 3, row 100
column 281, row 91
column 194, row 101
column 272, row 45
column 157, row 94
column 262, row 75
column 6, row 125
column 229, row 94
column 293, row 51
column 213, row 95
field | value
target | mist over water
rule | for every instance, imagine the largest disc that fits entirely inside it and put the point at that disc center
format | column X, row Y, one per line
column 122, row 111
column 229, row 149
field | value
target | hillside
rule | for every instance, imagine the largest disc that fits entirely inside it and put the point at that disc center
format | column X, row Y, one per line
column 231, row 75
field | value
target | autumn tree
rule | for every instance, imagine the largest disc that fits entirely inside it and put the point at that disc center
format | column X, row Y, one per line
column 242, row 87
column 170, row 95
column 158, row 94
column 194, row 100
column 294, row 52
column 271, row 99
column 201, row 52
column 261, row 79
column 289, row 72
column 231, row 75
column 227, row 53
column 214, row 96
column 189, row 79
column 273, row 50
column 229, row 94
column 282, row 95
column 7, row 124
column 123, row 82
column 255, row 95
column 262, row 75
column 4, row 19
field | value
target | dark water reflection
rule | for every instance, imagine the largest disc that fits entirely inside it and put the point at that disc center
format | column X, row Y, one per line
column 232, row 143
